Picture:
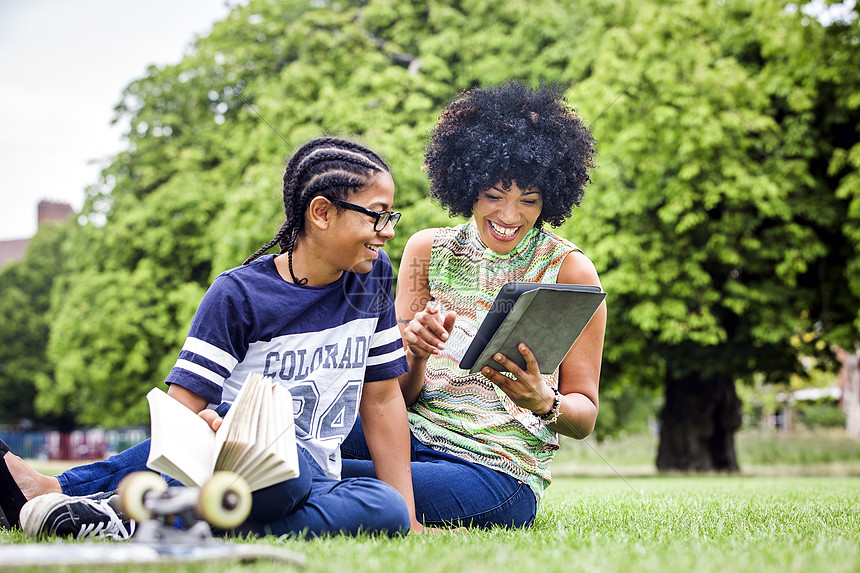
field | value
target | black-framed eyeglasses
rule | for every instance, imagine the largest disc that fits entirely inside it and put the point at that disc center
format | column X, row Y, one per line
column 382, row 218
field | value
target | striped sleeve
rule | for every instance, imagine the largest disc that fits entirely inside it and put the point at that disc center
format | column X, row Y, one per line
column 216, row 342
column 386, row 358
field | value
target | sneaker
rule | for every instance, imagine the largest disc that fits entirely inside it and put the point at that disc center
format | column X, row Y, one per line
column 78, row 517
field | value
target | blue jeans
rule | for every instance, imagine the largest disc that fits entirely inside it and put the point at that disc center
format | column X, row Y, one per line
column 308, row 505
column 450, row 490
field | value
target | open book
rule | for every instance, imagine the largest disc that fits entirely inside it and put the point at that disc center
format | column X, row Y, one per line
column 257, row 438
column 548, row 318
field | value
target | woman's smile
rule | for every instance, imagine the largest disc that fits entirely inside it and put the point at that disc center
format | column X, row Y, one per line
column 505, row 215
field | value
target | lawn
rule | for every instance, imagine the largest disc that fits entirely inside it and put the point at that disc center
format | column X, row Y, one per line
column 820, row 452
column 624, row 522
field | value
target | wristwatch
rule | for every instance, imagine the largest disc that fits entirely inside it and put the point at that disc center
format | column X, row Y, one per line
column 554, row 413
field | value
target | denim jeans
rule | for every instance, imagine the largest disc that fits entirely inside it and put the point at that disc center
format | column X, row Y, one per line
column 309, row 505
column 450, row 490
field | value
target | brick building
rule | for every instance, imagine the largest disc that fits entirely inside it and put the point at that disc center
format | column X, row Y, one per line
column 48, row 212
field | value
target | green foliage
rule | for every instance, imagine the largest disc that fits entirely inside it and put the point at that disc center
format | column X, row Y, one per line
column 724, row 220
column 197, row 189
column 820, row 414
column 626, row 408
column 120, row 316
column 25, row 288
column 116, row 336
column 716, row 230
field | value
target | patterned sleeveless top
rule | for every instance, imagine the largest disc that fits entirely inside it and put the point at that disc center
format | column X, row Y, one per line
column 465, row 414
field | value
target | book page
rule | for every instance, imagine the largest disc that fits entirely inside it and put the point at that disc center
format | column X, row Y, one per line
column 265, row 441
column 253, row 443
column 222, row 432
column 239, row 431
column 183, row 444
column 257, row 439
column 279, row 461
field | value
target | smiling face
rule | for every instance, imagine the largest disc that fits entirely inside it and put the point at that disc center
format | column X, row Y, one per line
column 354, row 244
column 503, row 217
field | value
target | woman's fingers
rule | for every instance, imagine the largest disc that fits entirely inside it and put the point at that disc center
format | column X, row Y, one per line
column 435, row 322
column 418, row 345
column 428, row 331
column 524, row 388
column 510, row 365
column 449, row 320
column 531, row 361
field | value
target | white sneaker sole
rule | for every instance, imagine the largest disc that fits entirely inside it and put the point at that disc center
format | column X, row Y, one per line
column 36, row 511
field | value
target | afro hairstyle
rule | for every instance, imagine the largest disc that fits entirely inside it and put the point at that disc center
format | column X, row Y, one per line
column 510, row 133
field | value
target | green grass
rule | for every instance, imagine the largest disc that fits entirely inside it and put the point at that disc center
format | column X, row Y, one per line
column 703, row 524
column 822, row 452
column 795, row 507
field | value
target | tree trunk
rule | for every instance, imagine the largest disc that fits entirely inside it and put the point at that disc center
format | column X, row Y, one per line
column 849, row 379
column 698, row 425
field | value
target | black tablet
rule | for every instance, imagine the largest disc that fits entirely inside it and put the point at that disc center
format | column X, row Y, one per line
column 548, row 322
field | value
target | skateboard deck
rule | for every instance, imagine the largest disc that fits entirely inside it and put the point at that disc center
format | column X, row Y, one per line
column 106, row 553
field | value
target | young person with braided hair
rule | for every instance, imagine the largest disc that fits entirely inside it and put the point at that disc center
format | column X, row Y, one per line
column 511, row 158
column 318, row 318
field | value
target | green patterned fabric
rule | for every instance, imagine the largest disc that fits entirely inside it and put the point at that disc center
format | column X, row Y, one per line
column 465, row 414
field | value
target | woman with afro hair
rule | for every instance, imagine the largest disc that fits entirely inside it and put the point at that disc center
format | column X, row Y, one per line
column 512, row 159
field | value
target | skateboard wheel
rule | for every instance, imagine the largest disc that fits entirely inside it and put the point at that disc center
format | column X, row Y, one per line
column 225, row 500
column 132, row 491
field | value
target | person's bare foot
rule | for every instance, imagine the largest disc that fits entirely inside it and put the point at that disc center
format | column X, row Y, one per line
column 31, row 482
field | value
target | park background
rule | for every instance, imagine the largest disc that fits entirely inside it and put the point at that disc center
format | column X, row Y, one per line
column 724, row 220
column 724, row 216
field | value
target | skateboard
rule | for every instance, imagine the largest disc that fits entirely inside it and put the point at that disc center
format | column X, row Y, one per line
column 183, row 514
column 173, row 524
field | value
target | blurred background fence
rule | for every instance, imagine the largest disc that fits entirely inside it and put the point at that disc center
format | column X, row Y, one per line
column 91, row 444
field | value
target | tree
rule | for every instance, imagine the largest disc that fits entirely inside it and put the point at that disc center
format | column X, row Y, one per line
column 25, row 288
column 724, row 228
column 197, row 189
column 725, row 220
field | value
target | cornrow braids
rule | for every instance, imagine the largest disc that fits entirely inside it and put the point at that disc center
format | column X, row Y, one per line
column 327, row 167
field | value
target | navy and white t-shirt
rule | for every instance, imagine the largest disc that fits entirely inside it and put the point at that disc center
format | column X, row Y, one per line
column 321, row 343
